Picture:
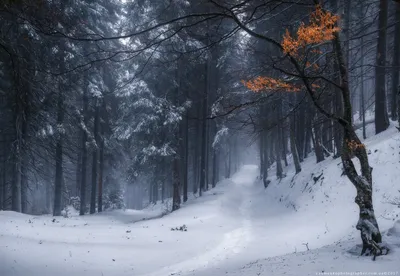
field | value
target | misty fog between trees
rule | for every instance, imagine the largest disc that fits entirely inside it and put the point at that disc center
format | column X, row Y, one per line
column 118, row 112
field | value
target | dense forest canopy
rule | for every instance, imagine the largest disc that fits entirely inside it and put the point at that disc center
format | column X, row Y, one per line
column 114, row 104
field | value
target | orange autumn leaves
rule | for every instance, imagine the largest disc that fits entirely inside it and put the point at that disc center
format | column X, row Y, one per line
column 266, row 83
column 321, row 28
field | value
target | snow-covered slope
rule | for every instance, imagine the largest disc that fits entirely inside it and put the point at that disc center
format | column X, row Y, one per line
column 237, row 228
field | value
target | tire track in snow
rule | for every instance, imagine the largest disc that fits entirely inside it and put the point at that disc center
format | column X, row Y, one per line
column 233, row 242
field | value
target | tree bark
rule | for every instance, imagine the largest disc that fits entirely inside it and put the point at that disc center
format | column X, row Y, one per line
column 293, row 146
column 82, row 210
column 59, row 159
column 381, row 116
column 95, row 159
column 352, row 145
column 186, row 158
column 176, row 199
column 101, row 170
column 396, row 64
column 24, row 185
column 278, row 151
column 203, row 164
column 362, row 90
column 319, row 153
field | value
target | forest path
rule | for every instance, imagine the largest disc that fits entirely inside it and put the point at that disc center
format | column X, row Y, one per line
column 236, row 202
column 219, row 228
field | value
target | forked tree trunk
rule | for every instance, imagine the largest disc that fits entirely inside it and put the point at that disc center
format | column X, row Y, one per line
column 352, row 146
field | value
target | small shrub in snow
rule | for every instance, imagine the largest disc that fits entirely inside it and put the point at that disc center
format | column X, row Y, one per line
column 114, row 199
column 75, row 202
column 182, row 228
column 69, row 211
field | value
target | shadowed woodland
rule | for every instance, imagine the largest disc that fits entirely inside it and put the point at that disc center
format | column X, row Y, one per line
column 122, row 104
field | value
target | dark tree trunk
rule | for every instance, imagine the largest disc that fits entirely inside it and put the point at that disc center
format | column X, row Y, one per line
column 95, row 159
column 381, row 116
column 24, row 185
column 4, row 178
column 186, row 158
column 319, row 152
column 154, row 191
column 78, row 172
column 101, row 170
column 24, row 169
column 164, row 179
column 59, row 159
column 227, row 163
column 300, row 127
column 396, row 65
column 284, row 149
column 293, row 146
column 362, row 92
column 83, row 187
column 215, row 168
column 203, row 173
column 16, row 187
column 278, row 151
column 352, row 145
column 176, row 199
column 308, row 135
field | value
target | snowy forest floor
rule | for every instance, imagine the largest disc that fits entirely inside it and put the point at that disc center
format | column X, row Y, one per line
column 238, row 228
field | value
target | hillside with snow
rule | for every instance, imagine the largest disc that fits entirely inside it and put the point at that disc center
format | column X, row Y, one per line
column 301, row 225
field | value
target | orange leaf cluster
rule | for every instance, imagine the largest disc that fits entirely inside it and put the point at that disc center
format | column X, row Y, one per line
column 353, row 145
column 267, row 83
column 321, row 28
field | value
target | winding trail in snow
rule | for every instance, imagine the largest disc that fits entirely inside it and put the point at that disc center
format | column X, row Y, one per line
column 233, row 242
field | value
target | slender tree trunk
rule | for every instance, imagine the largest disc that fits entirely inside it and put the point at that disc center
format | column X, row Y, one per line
column 293, row 146
column 203, row 164
column 301, row 126
column 164, row 179
column 381, row 116
column 59, row 159
column 186, row 158
column 24, row 168
column 83, row 188
column 319, row 153
column 396, row 64
column 176, row 199
column 16, row 187
column 215, row 168
column 278, row 151
column 362, row 90
column 78, row 173
column 284, row 143
column 4, row 178
column 24, row 185
column 101, row 170
column 95, row 159
column 309, row 126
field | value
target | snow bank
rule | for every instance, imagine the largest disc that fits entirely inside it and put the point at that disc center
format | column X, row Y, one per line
column 301, row 225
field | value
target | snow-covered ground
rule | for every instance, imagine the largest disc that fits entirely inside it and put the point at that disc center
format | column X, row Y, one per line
column 237, row 228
